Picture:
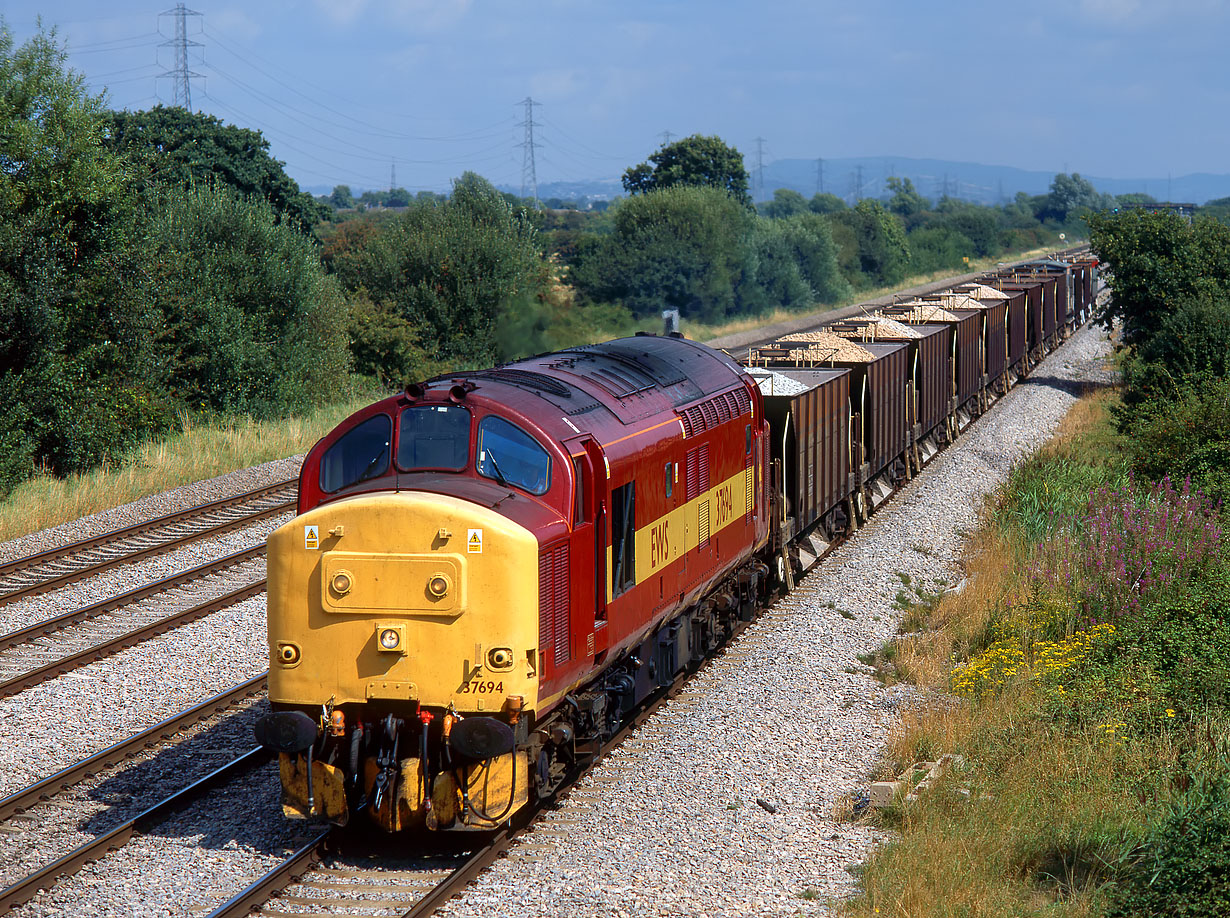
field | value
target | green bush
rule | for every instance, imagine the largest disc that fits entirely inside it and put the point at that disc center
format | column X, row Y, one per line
column 1186, row 436
column 1183, row 868
column 249, row 321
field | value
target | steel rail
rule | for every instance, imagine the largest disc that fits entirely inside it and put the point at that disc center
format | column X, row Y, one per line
column 21, row 800
column 100, row 651
column 52, row 583
column 289, row 872
column 46, row 877
column 60, row 622
column 53, row 554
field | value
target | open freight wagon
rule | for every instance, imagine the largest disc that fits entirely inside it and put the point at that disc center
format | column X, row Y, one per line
column 808, row 411
column 930, row 367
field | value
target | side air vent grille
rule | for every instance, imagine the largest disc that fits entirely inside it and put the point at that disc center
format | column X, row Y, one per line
column 714, row 411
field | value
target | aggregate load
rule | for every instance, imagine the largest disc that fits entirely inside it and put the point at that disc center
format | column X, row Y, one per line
column 771, row 383
column 921, row 313
column 824, row 345
column 951, row 300
column 878, row 327
column 983, row 292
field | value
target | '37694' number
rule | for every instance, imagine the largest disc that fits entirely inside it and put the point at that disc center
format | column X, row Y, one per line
column 481, row 688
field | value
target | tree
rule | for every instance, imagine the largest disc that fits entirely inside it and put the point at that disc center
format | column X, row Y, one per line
column 63, row 265
column 906, row 201
column 448, row 269
column 247, row 319
column 695, row 160
column 883, row 253
column 772, row 276
column 825, row 204
column 1072, row 193
column 786, row 203
column 811, row 242
column 341, row 198
column 1157, row 262
column 681, row 247
column 178, row 147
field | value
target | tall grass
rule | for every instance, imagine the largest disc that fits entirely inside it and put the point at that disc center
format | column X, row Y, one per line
column 195, row 452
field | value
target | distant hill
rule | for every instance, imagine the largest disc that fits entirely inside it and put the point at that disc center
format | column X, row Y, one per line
column 970, row 181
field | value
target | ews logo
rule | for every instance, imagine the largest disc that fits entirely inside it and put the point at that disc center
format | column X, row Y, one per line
column 659, row 545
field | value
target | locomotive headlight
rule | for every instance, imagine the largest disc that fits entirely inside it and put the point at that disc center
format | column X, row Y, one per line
column 288, row 653
column 341, row 583
column 391, row 638
column 500, row 658
column 438, row 585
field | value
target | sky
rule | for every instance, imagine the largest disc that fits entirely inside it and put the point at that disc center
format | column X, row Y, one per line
column 353, row 91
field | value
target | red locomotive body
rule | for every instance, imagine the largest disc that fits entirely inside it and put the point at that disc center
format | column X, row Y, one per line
column 480, row 549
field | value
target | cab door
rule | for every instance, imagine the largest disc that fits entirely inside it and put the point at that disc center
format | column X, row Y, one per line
column 588, row 542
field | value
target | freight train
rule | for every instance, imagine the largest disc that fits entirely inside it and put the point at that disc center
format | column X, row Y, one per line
column 491, row 570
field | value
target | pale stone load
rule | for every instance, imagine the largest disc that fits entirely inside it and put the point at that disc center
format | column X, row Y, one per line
column 824, row 345
column 923, row 312
column 771, row 383
column 983, row 292
column 880, row 327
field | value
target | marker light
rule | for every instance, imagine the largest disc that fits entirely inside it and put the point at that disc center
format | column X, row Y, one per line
column 341, row 583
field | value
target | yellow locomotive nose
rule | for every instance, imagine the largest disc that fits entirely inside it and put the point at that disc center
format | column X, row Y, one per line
column 390, row 606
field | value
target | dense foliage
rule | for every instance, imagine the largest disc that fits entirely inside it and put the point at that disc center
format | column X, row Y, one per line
column 1171, row 283
column 127, row 299
column 695, row 160
column 173, row 146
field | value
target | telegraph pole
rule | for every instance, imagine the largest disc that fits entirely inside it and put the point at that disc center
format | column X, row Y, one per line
column 181, row 76
column 529, row 168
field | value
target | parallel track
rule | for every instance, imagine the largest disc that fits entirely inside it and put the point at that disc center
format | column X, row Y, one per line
column 21, row 800
column 46, row 877
column 57, row 567
column 32, row 677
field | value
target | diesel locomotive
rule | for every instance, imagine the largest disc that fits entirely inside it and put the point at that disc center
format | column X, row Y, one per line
column 489, row 569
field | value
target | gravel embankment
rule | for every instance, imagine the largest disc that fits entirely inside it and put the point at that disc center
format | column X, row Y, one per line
column 53, row 725
column 668, row 825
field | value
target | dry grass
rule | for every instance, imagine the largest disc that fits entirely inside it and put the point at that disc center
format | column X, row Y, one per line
column 195, row 453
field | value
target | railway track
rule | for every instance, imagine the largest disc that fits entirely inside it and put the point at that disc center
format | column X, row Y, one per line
column 57, row 567
column 28, row 657
column 20, row 802
column 316, row 879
